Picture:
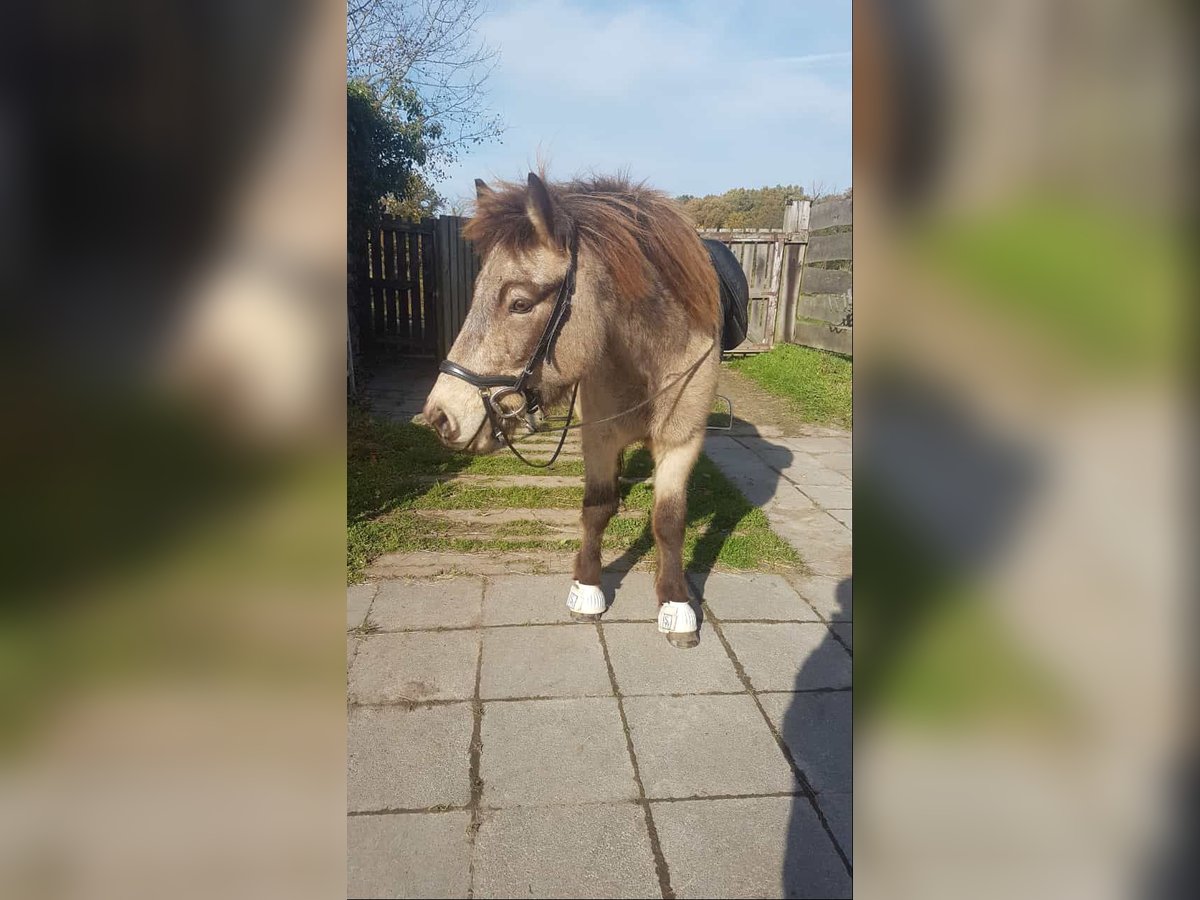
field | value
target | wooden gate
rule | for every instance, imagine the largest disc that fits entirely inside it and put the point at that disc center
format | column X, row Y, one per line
column 457, row 267
column 413, row 286
column 800, row 276
column 397, row 308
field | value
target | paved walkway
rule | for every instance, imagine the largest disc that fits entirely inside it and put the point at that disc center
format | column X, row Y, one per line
column 498, row 749
column 803, row 485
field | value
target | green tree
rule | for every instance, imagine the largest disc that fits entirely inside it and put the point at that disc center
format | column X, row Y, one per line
column 387, row 144
column 429, row 48
column 744, row 207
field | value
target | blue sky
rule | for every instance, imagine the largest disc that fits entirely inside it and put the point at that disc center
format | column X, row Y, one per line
column 695, row 97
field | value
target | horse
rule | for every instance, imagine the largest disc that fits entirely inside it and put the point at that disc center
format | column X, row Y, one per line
column 600, row 289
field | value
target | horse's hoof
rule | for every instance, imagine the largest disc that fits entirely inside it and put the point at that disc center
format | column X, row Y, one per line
column 684, row 641
column 585, row 602
column 678, row 622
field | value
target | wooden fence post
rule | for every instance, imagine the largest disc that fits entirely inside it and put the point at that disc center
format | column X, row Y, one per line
column 796, row 214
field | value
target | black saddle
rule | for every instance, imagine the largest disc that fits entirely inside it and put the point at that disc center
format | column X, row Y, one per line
column 735, row 293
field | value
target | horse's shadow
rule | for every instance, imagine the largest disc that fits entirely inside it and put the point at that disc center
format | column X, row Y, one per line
column 816, row 726
column 716, row 503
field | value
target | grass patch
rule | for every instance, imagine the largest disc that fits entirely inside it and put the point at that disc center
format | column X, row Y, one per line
column 931, row 650
column 523, row 528
column 816, row 384
column 388, row 504
column 1105, row 288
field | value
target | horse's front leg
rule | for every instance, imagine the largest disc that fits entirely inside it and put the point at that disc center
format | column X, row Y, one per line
column 672, row 468
column 601, row 496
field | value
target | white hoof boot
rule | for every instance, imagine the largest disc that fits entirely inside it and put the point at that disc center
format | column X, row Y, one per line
column 678, row 622
column 586, row 601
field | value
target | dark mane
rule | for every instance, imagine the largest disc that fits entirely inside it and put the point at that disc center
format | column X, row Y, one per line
column 636, row 232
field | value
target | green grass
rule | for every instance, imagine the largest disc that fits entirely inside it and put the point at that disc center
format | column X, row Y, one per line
column 390, row 509
column 931, row 648
column 816, row 384
column 1105, row 288
column 523, row 528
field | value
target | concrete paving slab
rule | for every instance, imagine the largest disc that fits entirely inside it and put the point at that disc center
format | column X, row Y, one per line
column 408, row 759
column 407, row 855
column 554, row 751
column 752, row 596
column 759, row 847
column 833, row 598
column 818, row 445
column 789, row 657
column 845, row 631
column 631, row 596
column 759, row 442
column 645, row 663
column 845, row 516
column 408, row 668
column 351, row 649
column 543, row 661
column 542, row 599
column 839, row 813
column 787, row 500
column 823, row 542
column 526, row 599
column 716, row 443
column 404, row 603
column 565, row 851
column 805, row 469
column 757, row 481
column 817, row 729
column 773, row 453
column 705, row 746
column 840, row 462
column 830, row 497
column 358, row 601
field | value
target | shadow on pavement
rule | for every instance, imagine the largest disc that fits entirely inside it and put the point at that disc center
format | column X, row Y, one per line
column 720, row 504
column 817, row 723
column 818, row 731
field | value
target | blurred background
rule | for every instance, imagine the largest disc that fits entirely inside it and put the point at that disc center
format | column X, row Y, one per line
column 1024, row 186
column 172, row 205
column 172, row 244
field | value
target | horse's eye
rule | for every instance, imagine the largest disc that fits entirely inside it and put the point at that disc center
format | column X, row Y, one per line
column 520, row 305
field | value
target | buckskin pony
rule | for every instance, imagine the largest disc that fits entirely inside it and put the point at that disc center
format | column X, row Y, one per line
column 598, row 288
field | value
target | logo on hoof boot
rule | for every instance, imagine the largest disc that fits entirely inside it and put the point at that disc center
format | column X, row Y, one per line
column 677, row 618
column 585, row 599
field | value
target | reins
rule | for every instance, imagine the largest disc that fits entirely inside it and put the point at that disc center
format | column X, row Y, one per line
column 569, row 426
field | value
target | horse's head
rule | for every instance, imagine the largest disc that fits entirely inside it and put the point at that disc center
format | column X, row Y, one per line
column 525, row 242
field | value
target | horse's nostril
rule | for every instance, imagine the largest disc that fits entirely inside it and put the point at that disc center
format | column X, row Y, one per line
column 441, row 422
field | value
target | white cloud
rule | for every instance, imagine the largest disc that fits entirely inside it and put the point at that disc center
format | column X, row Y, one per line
column 694, row 100
column 557, row 46
column 812, row 59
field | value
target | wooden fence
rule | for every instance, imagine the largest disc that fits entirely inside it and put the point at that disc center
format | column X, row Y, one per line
column 411, row 283
column 800, row 276
column 396, row 303
column 411, row 286
column 457, row 267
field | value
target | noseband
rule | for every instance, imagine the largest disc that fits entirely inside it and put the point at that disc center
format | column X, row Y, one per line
column 494, row 388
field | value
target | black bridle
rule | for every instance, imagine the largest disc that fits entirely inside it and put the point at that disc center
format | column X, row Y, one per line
column 494, row 388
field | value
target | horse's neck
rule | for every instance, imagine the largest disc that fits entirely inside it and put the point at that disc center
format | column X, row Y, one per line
column 646, row 343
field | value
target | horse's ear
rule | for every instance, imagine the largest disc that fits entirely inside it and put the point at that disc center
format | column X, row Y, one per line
column 481, row 189
column 540, row 210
